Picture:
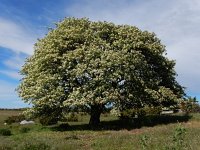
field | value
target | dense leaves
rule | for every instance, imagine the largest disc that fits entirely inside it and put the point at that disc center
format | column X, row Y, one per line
column 84, row 64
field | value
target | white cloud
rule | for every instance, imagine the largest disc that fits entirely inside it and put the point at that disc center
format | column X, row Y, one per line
column 7, row 89
column 8, row 96
column 176, row 22
column 20, row 40
column 12, row 66
column 187, row 57
column 15, row 62
column 16, row 37
column 11, row 74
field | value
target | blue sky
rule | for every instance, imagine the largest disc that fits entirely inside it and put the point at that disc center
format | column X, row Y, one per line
column 22, row 22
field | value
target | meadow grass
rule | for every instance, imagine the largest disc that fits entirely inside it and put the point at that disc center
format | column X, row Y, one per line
column 112, row 134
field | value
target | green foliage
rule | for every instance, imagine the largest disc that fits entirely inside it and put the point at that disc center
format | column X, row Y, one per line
column 190, row 105
column 132, row 113
column 82, row 63
column 47, row 120
column 178, row 142
column 5, row 132
column 24, row 130
column 14, row 119
column 178, row 137
column 140, row 112
column 71, row 117
column 144, row 142
column 153, row 110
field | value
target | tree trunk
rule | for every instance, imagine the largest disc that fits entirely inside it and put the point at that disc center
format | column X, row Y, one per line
column 95, row 113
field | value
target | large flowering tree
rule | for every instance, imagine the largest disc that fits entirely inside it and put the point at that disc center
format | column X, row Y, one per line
column 85, row 64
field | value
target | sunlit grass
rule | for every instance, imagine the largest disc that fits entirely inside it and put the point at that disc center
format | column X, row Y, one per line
column 78, row 135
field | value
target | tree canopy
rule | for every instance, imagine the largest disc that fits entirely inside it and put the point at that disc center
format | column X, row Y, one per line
column 85, row 64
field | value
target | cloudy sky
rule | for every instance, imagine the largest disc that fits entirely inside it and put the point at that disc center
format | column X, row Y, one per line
column 22, row 22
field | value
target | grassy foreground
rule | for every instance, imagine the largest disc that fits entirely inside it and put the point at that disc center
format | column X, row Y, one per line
column 111, row 135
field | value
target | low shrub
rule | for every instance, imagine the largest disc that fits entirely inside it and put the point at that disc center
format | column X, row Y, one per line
column 71, row 117
column 14, row 119
column 82, row 113
column 48, row 120
column 132, row 113
column 126, row 114
column 153, row 110
column 189, row 107
column 105, row 114
column 140, row 112
column 5, row 132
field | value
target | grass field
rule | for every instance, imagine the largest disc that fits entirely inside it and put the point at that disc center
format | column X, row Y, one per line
column 111, row 135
